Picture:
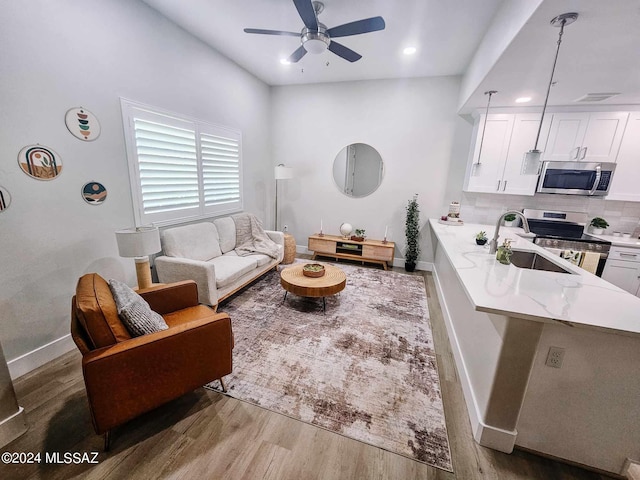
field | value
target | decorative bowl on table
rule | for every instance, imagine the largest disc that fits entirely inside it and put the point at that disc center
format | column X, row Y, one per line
column 313, row 270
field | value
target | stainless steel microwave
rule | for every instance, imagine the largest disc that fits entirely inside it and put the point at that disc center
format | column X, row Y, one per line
column 576, row 178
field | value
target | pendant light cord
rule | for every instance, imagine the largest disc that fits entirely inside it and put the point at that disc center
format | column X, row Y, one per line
column 546, row 99
column 484, row 126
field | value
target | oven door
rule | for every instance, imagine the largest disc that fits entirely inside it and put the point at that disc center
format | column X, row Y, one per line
column 576, row 178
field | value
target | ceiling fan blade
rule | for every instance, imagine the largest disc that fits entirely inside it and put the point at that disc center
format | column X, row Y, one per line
column 307, row 14
column 344, row 52
column 297, row 55
column 354, row 28
column 271, row 32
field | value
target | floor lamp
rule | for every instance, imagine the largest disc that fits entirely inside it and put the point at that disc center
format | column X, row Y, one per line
column 281, row 173
column 139, row 243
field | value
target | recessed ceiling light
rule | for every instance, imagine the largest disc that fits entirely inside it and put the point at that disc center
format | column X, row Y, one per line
column 409, row 50
column 523, row 99
column 285, row 61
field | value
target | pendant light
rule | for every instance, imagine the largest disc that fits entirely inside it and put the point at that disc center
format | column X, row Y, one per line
column 532, row 157
column 484, row 126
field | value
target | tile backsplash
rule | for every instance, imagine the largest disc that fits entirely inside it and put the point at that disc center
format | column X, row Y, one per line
column 486, row 207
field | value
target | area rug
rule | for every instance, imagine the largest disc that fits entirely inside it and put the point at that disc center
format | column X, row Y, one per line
column 365, row 368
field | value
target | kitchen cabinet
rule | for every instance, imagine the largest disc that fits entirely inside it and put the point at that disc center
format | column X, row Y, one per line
column 497, row 166
column 623, row 269
column 625, row 178
column 584, row 136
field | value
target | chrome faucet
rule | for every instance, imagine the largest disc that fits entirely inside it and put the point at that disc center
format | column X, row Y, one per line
column 493, row 244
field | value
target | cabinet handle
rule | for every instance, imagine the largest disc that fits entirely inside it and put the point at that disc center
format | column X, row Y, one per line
column 575, row 156
column 498, row 187
column 584, row 153
column 504, row 187
column 623, row 254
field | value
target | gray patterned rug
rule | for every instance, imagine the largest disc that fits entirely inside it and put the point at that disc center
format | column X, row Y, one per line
column 365, row 369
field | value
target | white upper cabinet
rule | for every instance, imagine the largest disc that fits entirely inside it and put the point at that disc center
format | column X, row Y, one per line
column 589, row 137
column 626, row 178
column 523, row 139
column 489, row 154
column 495, row 165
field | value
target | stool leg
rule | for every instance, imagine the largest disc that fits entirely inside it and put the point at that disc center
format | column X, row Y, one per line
column 107, row 440
column 224, row 387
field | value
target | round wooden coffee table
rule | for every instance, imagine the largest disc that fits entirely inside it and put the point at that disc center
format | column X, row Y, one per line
column 333, row 281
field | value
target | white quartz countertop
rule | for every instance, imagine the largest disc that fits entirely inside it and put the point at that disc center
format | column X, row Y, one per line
column 578, row 299
column 618, row 241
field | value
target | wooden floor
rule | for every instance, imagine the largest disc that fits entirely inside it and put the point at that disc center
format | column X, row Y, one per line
column 205, row 435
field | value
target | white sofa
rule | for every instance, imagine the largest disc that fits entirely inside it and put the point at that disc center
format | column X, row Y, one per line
column 204, row 252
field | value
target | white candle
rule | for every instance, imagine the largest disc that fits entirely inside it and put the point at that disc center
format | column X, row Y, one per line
column 320, row 224
column 386, row 228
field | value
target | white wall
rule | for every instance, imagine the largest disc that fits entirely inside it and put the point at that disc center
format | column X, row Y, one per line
column 412, row 124
column 565, row 416
column 58, row 55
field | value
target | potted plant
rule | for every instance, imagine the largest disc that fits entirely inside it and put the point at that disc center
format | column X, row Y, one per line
column 412, row 233
column 481, row 238
column 509, row 219
column 598, row 225
column 359, row 235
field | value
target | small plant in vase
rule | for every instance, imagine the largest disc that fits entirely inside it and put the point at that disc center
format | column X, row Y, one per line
column 598, row 225
column 481, row 238
column 509, row 219
column 359, row 235
column 412, row 233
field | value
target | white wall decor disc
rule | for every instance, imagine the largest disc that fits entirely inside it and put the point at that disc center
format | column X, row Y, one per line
column 82, row 124
column 5, row 199
column 94, row 193
column 40, row 162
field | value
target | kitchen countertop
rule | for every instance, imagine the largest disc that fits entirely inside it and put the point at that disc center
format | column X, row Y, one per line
column 619, row 241
column 578, row 299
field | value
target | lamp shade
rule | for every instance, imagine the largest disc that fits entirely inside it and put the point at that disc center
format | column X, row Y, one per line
column 138, row 242
column 283, row 173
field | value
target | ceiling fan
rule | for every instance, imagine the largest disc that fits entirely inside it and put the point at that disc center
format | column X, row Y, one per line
column 316, row 37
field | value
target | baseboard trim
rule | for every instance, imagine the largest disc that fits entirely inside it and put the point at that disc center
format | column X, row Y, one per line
column 41, row 355
column 485, row 435
column 12, row 427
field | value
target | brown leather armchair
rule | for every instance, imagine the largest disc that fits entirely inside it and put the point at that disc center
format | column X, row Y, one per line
column 124, row 376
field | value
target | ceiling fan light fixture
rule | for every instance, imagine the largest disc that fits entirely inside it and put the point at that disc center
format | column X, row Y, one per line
column 285, row 61
column 523, row 99
column 409, row 50
column 315, row 42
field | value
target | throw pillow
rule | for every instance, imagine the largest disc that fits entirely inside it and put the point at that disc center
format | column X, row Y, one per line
column 134, row 311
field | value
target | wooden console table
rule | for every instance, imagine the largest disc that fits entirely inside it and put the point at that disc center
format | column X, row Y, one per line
column 371, row 251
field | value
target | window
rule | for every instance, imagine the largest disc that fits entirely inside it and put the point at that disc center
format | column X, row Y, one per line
column 180, row 168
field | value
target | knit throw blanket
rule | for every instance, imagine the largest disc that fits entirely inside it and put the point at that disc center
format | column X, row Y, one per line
column 251, row 237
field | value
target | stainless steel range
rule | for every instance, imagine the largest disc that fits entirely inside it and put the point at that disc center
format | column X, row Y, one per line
column 564, row 231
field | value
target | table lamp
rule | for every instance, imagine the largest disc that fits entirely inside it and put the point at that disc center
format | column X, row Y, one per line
column 139, row 243
column 281, row 173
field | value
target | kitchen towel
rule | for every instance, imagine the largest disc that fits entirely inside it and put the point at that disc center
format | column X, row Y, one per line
column 572, row 256
column 590, row 261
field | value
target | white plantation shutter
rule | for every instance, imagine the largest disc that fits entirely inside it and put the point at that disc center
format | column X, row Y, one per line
column 180, row 168
column 220, row 169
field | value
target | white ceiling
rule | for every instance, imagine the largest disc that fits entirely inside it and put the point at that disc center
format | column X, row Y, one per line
column 600, row 52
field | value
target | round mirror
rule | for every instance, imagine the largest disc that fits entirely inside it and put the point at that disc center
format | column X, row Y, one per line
column 358, row 170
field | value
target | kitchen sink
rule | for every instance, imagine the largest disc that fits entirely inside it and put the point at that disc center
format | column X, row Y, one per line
column 533, row 261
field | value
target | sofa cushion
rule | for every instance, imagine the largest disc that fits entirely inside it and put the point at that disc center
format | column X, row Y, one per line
column 134, row 311
column 195, row 242
column 97, row 312
column 229, row 268
column 261, row 258
column 226, row 233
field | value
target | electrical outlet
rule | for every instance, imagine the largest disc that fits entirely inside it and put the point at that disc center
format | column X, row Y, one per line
column 285, row 228
column 555, row 357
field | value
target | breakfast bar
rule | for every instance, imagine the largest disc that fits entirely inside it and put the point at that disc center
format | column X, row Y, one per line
column 507, row 324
